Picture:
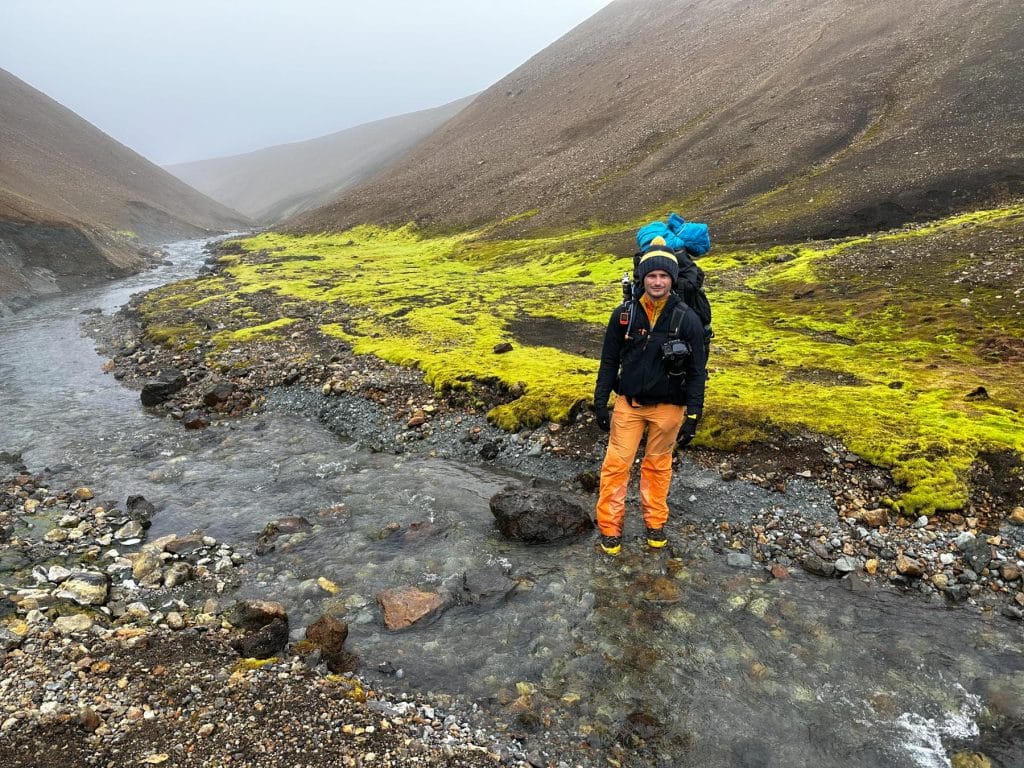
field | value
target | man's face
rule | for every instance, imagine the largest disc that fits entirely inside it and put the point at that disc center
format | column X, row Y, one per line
column 657, row 284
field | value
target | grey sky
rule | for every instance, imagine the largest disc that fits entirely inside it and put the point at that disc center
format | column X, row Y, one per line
column 190, row 79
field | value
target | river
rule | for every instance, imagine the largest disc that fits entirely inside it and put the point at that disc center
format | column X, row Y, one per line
column 680, row 661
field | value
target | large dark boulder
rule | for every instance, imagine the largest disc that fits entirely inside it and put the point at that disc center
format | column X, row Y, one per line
column 539, row 517
column 163, row 386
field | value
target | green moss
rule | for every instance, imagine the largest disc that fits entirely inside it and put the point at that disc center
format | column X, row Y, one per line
column 810, row 337
column 250, row 664
column 262, row 332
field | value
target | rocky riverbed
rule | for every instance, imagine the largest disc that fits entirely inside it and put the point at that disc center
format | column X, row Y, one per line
column 125, row 651
column 122, row 648
column 975, row 556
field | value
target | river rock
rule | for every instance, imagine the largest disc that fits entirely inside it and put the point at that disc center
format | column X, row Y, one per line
column 183, row 545
column 964, row 541
column 253, row 614
column 539, row 517
column 263, row 643
column 146, row 569
column 130, row 530
column 284, row 526
column 978, row 554
column 909, row 567
column 78, row 622
column 86, row 588
column 817, row 566
column 871, row 518
column 83, row 493
column 847, row 564
column 9, row 640
column 486, row 585
column 404, row 606
column 140, row 509
column 194, row 420
column 738, row 559
column 1017, row 516
column 57, row 574
column 162, row 387
column 820, row 549
column 328, row 634
column 177, row 574
column 220, row 393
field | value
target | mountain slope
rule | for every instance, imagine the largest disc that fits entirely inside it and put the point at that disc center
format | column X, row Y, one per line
column 75, row 205
column 271, row 184
column 783, row 118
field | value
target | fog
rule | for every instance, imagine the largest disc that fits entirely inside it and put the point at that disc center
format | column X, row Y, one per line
column 193, row 79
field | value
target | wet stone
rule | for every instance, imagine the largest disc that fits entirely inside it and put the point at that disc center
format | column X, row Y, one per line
column 263, row 643
column 130, row 530
column 86, row 588
column 183, row 545
column 162, row 387
column 404, row 606
column 328, row 634
column 140, row 509
column 486, row 585
column 177, row 574
column 539, row 517
column 1017, row 516
column 220, row 393
column 194, row 420
column 147, row 567
column 817, row 566
column 253, row 614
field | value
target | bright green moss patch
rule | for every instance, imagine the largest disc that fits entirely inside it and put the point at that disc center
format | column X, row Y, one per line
column 877, row 340
column 264, row 332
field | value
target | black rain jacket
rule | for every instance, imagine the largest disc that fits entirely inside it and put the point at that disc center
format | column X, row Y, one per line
column 635, row 369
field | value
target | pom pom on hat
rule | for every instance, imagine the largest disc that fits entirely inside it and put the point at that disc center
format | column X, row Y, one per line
column 656, row 256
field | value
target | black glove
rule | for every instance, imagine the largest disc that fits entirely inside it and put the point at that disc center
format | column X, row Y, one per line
column 688, row 430
column 603, row 417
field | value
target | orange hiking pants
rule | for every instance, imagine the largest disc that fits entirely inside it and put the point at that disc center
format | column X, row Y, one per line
column 662, row 423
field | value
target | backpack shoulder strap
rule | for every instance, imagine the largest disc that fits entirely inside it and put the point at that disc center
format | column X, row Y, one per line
column 678, row 313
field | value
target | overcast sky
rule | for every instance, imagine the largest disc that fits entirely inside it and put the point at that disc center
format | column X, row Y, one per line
column 180, row 80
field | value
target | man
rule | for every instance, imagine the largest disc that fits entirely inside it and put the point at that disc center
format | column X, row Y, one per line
column 659, row 383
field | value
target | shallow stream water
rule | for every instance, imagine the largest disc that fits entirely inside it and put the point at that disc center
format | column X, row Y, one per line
column 670, row 658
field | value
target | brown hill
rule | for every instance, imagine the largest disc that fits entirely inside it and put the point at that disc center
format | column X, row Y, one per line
column 781, row 118
column 75, row 205
column 271, row 184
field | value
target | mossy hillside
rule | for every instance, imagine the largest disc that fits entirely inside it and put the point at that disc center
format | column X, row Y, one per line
column 882, row 359
column 444, row 303
column 818, row 336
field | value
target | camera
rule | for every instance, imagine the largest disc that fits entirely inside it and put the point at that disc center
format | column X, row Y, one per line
column 675, row 353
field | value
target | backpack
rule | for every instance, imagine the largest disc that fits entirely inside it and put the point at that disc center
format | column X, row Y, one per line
column 689, row 287
column 686, row 239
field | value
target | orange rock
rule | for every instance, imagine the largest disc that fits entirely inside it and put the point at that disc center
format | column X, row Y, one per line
column 404, row 606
